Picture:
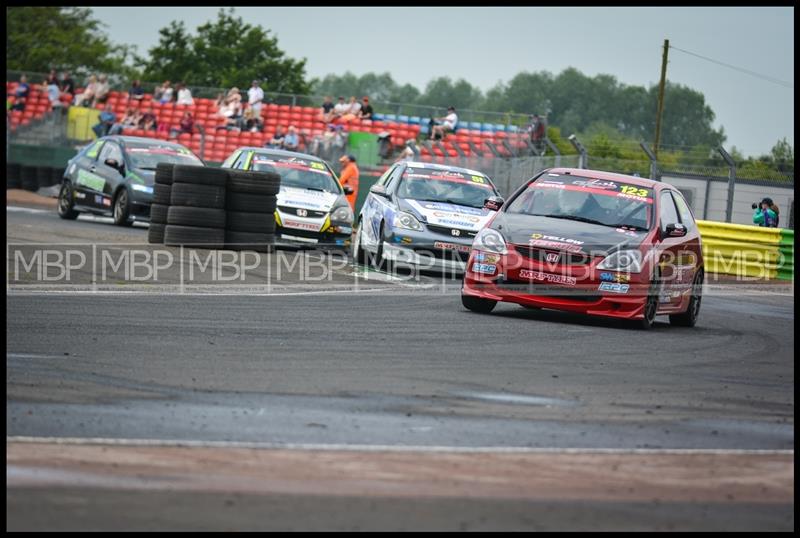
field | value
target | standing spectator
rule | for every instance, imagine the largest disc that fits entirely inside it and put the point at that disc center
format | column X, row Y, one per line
column 255, row 96
column 366, row 109
column 447, row 125
column 326, row 110
column 184, row 95
column 102, row 91
column 186, row 125
column 52, row 78
column 163, row 93
column 148, row 121
column 87, row 97
column 277, row 139
column 67, row 84
column 353, row 110
column 536, row 129
column 348, row 177
column 107, row 120
column 291, row 142
column 340, row 109
column 136, row 92
column 407, row 154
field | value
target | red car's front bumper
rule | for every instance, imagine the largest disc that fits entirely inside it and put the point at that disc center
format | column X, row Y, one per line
column 571, row 288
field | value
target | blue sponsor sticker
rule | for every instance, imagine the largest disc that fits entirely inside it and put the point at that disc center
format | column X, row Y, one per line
column 606, row 277
column 98, row 199
column 484, row 268
column 614, row 287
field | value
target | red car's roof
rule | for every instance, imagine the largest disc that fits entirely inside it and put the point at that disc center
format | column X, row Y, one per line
column 609, row 176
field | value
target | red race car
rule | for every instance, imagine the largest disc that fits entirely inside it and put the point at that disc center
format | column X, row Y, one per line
column 590, row 242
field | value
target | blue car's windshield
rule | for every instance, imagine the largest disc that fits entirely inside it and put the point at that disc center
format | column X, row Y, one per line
column 147, row 156
column 299, row 173
column 446, row 186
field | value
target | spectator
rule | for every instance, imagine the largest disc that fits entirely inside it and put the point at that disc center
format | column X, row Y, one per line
column 102, row 91
column 67, row 84
column 107, row 120
column 163, row 93
column 184, row 95
column 186, row 125
column 407, row 154
column 53, row 93
column 326, row 110
column 52, row 78
column 764, row 215
column 148, row 121
column 366, row 109
column 447, row 125
column 291, row 142
column 87, row 97
column 21, row 94
column 340, row 109
column 277, row 139
column 348, row 177
column 353, row 110
column 536, row 130
column 252, row 121
column 130, row 120
column 230, row 108
column 136, row 92
column 255, row 96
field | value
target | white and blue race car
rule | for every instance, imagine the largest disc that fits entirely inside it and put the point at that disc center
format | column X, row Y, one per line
column 425, row 215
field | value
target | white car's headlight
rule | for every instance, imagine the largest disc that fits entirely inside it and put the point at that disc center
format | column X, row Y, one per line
column 490, row 240
column 629, row 261
column 342, row 214
column 142, row 188
column 407, row 221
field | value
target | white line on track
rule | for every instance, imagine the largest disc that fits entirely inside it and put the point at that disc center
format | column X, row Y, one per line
column 27, row 210
column 383, row 448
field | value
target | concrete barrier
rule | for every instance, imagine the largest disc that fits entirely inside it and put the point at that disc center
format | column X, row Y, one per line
column 747, row 251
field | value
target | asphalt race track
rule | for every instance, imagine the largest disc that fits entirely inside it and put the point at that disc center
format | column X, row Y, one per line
column 362, row 401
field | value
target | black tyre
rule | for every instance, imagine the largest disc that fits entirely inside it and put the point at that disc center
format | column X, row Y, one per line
column 158, row 213
column 162, row 194
column 196, row 216
column 689, row 318
column 476, row 304
column 250, row 203
column 197, row 195
column 651, row 303
column 155, row 234
column 12, row 176
column 164, row 173
column 44, row 176
column 122, row 208
column 200, row 175
column 249, row 241
column 253, row 182
column 357, row 251
column 28, row 179
column 66, row 202
column 239, row 221
column 194, row 236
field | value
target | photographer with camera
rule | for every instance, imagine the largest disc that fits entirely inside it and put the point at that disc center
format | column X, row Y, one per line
column 766, row 213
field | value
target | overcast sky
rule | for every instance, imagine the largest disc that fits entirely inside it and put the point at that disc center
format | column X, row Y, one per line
column 487, row 45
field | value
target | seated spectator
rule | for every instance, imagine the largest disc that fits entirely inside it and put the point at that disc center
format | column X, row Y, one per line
column 131, row 119
column 252, row 120
column 277, row 139
column 186, row 125
column 148, row 121
column 107, row 120
column 53, row 93
column 102, row 90
column 87, row 97
column 230, row 108
column 163, row 93
column 326, row 110
column 136, row 92
column 184, row 95
column 340, row 109
column 353, row 110
column 67, row 84
column 291, row 142
column 21, row 94
column 446, row 124
column 366, row 109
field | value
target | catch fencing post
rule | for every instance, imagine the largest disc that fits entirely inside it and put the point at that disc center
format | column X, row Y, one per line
column 582, row 162
column 653, row 164
column 731, row 182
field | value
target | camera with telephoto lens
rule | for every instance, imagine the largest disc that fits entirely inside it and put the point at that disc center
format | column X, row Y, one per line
column 755, row 205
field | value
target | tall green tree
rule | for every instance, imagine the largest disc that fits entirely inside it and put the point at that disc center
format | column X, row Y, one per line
column 44, row 38
column 225, row 52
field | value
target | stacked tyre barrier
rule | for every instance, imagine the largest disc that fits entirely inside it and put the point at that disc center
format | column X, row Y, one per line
column 747, row 251
column 196, row 213
column 250, row 205
column 162, row 190
column 13, row 180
